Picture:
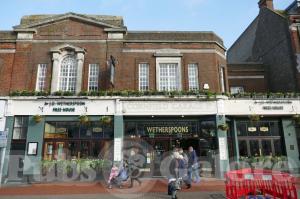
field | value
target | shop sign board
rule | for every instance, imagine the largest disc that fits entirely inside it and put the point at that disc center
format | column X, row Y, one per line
column 262, row 107
column 168, row 128
column 61, row 107
column 169, row 107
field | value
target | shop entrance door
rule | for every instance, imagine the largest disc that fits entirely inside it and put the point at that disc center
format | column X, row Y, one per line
column 160, row 151
column 16, row 161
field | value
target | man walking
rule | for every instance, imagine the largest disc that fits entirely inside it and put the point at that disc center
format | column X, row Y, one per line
column 192, row 167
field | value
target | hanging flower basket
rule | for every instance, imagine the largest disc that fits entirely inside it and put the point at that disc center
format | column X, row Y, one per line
column 106, row 120
column 83, row 119
column 223, row 127
column 37, row 118
column 254, row 118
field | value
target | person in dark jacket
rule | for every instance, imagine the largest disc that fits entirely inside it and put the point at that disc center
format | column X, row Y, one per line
column 192, row 167
column 183, row 167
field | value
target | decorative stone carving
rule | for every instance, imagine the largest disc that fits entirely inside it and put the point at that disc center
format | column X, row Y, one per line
column 58, row 54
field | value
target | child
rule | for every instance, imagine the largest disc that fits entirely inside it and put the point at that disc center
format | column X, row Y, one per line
column 114, row 172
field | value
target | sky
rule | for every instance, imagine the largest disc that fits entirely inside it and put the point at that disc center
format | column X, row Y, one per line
column 227, row 18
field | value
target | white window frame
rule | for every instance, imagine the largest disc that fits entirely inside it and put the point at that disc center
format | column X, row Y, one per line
column 94, row 76
column 68, row 76
column 168, row 60
column 58, row 54
column 193, row 83
column 147, row 76
column 41, row 80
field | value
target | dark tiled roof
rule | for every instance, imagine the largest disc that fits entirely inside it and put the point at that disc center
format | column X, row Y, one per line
column 8, row 35
column 173, row 36
column 33, row 19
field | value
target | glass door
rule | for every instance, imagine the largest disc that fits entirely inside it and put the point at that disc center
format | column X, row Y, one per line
column 160, row 149
column 16, row 161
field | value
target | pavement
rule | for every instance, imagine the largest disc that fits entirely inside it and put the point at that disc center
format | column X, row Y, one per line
column 150, row 189
column 192, row 195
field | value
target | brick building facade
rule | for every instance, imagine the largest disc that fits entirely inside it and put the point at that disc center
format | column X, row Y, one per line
column 77, row 53
column 46, row 39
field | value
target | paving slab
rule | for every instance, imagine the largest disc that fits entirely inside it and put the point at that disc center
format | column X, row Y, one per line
column 181, row 195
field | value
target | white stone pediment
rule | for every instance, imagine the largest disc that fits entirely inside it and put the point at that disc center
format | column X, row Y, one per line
column 67, row 47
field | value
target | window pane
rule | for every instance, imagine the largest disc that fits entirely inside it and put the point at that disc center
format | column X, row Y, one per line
column 84, row 149
column 243, row 148
column 143, row 77
column 93, row 77
column 17, row 133
column 20, row 127
column 95, row 149
column 254, row 148
column 73, row 150
column 274, row 128
column 169, row 77
column 241, row 129
column 222, row 79
column 278, row 147
column 68, row 74
column 208, row 129
column 266, row 147
column 193, row 77
column 41, row 77
column 236, row 89
column 62, row 130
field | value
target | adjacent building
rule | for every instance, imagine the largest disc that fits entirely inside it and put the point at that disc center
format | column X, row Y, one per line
column 265, row 57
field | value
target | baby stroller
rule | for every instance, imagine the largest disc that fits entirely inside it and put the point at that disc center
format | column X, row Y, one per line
column 117, row 176
column 174, row 185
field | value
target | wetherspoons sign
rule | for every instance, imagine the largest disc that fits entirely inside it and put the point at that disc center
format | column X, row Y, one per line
column 167, row 129
column 64, row 106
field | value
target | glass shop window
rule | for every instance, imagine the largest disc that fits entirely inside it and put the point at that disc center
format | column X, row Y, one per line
column 20, row 127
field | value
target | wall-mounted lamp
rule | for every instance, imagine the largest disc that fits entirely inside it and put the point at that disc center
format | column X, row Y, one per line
column 206, row 86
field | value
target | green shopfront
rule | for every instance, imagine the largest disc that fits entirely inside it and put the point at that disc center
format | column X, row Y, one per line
column 42, row 131
column 163, row 134
column 72, row 129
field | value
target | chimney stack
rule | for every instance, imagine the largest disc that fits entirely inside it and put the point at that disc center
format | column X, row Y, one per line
column 266, row 4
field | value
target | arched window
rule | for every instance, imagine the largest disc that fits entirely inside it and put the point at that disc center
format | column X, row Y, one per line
column 68, row 74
